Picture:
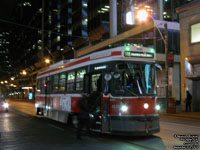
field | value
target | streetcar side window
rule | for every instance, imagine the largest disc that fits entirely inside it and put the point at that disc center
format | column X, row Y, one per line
column 42, row 85
column 39, row 82
column 62, row 82
column 96, row 82
column 48, row 84
column 79, row 79
column 55, row 83
column 70, row 81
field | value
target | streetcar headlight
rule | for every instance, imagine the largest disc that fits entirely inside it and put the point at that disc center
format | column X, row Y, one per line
column 48, row 107
column 157, row 107
column 5, row 105
column 146, row 106
column 124, row 108
column 91, row 115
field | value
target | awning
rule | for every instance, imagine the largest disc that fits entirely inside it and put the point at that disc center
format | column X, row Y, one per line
column 193, row 59
column 194, row 78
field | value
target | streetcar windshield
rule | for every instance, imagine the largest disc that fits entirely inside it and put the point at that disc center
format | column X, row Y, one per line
column 133, row 79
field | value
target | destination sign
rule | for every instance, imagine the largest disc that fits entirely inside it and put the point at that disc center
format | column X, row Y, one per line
column 139, row 54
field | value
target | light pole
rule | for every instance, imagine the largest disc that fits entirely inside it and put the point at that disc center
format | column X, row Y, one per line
column 142, row 15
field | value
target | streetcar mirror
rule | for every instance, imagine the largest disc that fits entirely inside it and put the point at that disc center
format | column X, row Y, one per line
column 116, row 75
column 158, row 66
column 107, row 76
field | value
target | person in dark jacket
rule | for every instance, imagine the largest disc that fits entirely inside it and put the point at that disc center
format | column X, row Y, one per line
column 188, row 101
column 83, row 117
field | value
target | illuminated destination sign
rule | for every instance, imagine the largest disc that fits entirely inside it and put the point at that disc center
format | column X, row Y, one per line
column 139, row 54
column 100, row 67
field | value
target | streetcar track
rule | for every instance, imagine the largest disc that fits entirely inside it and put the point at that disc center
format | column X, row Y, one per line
column 56, row 127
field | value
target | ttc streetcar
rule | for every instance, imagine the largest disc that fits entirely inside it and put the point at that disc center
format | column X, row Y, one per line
column 126, row 80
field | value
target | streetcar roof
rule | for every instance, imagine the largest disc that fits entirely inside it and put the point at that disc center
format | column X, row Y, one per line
column 93, row 58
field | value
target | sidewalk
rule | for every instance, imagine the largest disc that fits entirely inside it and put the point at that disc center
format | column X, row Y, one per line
column 189, row 115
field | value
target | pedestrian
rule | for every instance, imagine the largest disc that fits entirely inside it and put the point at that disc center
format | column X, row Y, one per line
column 83, row 117
column 188, row 101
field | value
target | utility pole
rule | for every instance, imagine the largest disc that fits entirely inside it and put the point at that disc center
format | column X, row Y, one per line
column 166, row 62
column 113, row 18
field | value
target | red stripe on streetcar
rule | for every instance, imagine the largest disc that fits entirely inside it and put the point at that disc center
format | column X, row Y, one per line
column 115, row 53
column 65, row 66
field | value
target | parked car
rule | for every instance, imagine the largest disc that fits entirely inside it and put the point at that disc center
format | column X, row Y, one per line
column 3, row 105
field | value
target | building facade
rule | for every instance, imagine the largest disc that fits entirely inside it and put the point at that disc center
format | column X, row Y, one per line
column 189, row 15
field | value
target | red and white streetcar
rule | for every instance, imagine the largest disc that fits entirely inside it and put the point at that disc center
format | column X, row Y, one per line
column 124, row 76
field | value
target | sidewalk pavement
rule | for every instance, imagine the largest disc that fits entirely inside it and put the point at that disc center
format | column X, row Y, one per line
column 189, row 115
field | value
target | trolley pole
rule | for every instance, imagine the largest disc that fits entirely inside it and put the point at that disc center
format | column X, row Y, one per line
column 166, row 63
column 42, row 50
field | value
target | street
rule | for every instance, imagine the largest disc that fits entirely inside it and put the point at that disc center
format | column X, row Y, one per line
column 25, row 131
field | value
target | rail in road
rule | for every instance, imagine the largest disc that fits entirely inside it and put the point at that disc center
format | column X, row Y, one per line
column 25, row 106
column 166, row 139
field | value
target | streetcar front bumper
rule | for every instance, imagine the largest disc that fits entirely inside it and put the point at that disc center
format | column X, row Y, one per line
column 140, row 125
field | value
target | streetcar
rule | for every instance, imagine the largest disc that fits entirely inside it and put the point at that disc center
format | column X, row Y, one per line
column 125, row 77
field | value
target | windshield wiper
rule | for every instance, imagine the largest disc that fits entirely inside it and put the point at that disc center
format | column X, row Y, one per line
column 131, row 92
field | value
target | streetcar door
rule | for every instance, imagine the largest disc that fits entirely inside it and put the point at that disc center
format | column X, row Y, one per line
column 105, row 103
column 96, row 96
column 87, row 83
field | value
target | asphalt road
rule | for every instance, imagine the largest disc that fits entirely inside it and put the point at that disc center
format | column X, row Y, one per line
column 20, row 130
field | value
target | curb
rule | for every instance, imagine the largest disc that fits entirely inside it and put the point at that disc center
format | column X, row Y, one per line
column 181, row 116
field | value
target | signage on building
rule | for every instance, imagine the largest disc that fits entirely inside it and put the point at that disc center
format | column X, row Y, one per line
column 170, row 59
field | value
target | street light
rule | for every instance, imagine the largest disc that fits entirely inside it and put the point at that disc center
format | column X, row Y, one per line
column 24, row 72
column 47, row 60
column 142, row 15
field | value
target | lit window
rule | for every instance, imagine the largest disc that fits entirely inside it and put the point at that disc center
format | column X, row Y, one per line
column 58, row 38
column 55, row 83
column 69, row 21
column 130, row 18
column 69, row 32
column 84, row 22
column 69, row 10
column 70, row 81
column 79, row 79
column 62, row 82
column 195, row 33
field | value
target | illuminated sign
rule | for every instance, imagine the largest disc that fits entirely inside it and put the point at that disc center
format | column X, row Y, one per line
column 139, row 54
column 100, row 67
column 30, row 96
